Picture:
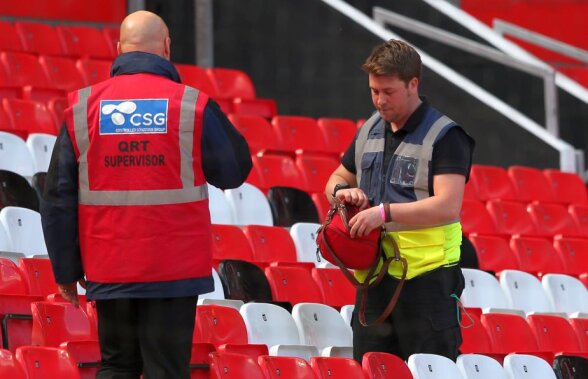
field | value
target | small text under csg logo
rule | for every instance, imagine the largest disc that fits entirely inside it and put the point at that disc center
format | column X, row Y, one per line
column 134, row 116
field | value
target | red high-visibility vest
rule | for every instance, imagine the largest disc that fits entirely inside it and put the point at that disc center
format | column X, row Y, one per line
column 143, row 200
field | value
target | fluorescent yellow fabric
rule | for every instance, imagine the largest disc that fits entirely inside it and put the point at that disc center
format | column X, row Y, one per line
column 424, row 250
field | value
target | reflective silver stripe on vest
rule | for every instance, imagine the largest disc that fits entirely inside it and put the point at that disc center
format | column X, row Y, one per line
column 189, row 192
column 423, row 153
column 362, row 144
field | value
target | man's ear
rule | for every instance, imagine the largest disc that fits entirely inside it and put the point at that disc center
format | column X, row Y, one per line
column 118, row 51
column 167, row 48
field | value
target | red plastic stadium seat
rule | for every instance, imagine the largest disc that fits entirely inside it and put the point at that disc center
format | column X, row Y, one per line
column 93, row 70
column 9, row 367
column 266, row 108
column 257, row 131
column 315, row 170
column 580, row 215
column 470, row 192
column 511, row 217
column 298, row 132
column 377, row 365
column 199, row 360
column 29, row 115
column 84, row 41
column 229, row 242
column 279, row 367
column 270, row 243
column 39, row 38
column 219, row 325
column 40, row 360
column 492, row 182
column 335, row 288
column 57, row 107
column 509, row 333
column 552, row 219
column 338, row 133
column 86, row 355
column 334, row 368
column 293, row 284
column 554, row 333
column 111, row 35
column 276, row 171
column 530, row 184
column 62, row 72
column 195, row 76
column 573, row 253
column 475, row 337
column 475, row 218
column 580, row 326
column 536, row 255
column 10, row 40
column 23, row 69
column 55, row 323
column 231, row 83
column 234, row 366
column 38, row 274
column 11, row 280
column 494, row 253
column 567, row 187
column 16, row 316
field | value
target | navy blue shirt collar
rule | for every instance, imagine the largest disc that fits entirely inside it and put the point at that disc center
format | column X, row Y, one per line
column 137, row 62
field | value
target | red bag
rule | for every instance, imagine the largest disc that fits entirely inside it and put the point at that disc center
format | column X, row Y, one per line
column 334, row 242
column 360, row 253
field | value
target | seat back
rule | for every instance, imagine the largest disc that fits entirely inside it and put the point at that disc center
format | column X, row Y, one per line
column 570, row 367
column 83, row 41
column 491, row 182
column 38, row 274
column 9, row 367
column 11, row 280
column 332, row 368
column 94, row 70
column 573, row 253
column 536, row 255
column 530, row 184
column 274, row 170
column 524, row 291
column 55, row 323
column 15, row 156
column 38, row 361
column 234, row 366
column 335, row 288
column 315, row 171
column 285, row 368
column 39, row 38
column 475, row 218
column 475, row 339
column 40, row 146
column 291, row 205
column 494, row 253
column 553, row 333
column 231, row 83
column 16, row 191
column 269, row 324
column 579, row 213
column 257, row 131
column 220, row 210
column 249, row 206
column 565, row 293
column 298, row 133
column 432, row 366
column 304, row 237
column 511, row 217
column 482, row 290
column 23, row 227
column 377, row 365
column 62, row 73
column 293, row 284
column 86, row 354
column 476, row 366
column 552, row 219
column 219, row 325
column 195, row 76
column 15, row 311
column 270, row 243
column 229, row 242
column 321, row 326
column 244, row 281
column 521, row 366
column 568, row 187
column 30, row 116
column 337, row 133
column 23, row 69
column 509, row 333
column 10, row 39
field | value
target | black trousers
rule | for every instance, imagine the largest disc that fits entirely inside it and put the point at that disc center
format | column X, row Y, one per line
column 152, row 337
column 423, row 321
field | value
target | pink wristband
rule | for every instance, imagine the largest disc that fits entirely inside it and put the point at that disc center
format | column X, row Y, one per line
column 382, row 212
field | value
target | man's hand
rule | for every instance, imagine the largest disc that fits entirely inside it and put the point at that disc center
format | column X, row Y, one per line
column 365, row 221
column 70, row 291
column 354, row 196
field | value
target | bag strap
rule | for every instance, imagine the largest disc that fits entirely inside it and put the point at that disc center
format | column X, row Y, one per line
column 363, row 287
column 392, row 303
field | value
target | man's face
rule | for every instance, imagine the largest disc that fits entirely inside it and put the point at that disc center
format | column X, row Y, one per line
column 392, row 97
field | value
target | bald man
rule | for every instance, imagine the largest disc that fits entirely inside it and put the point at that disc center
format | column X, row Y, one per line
column 125, row 208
